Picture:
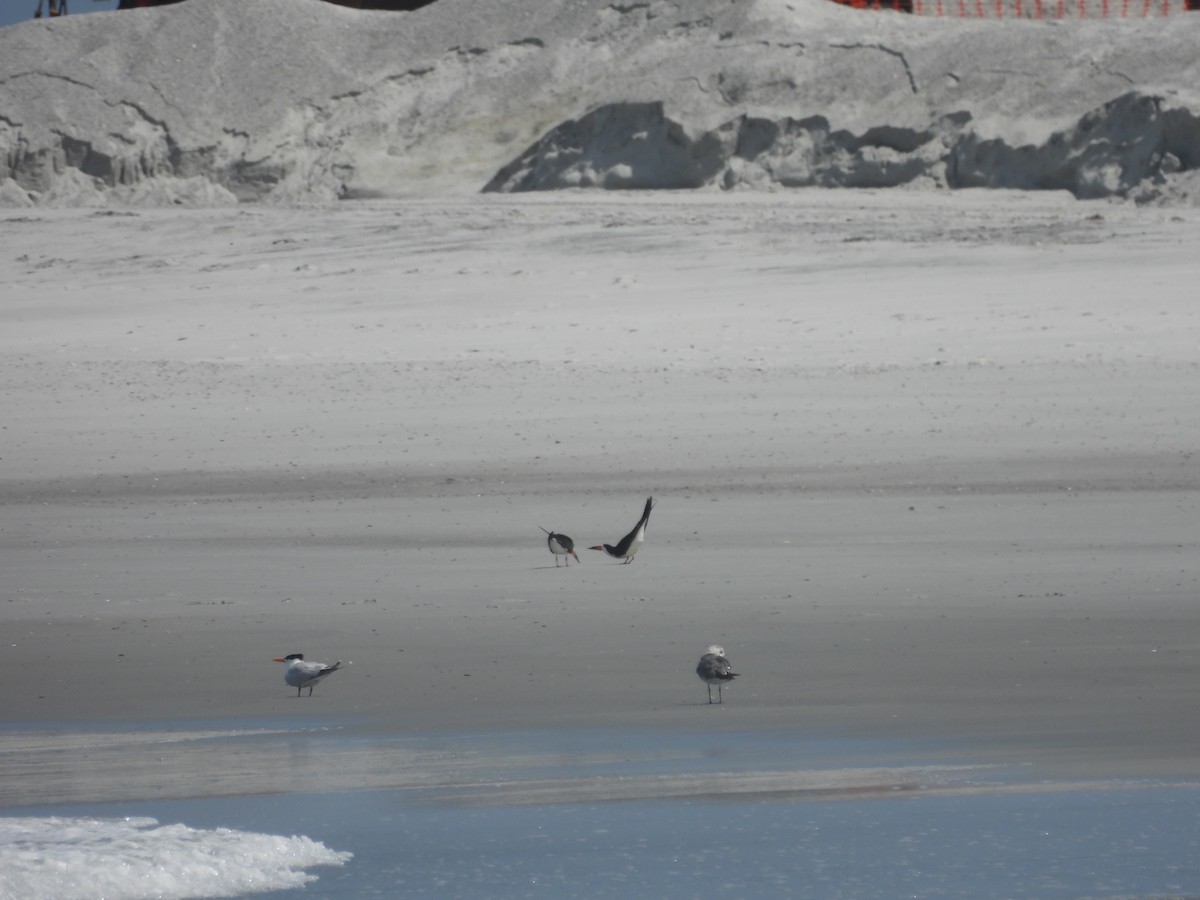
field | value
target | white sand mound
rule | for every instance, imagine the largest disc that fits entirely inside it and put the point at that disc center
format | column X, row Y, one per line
column 213, row 101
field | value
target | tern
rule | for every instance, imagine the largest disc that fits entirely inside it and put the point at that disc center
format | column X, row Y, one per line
column 632, row 542
column 714, row 668
column 302, row 674
column 560, row 545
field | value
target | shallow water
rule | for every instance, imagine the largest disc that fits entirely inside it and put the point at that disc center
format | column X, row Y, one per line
column 1093, row 843
column 587, row 814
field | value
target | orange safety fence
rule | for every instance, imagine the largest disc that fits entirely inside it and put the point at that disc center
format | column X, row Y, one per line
column 1031, row 9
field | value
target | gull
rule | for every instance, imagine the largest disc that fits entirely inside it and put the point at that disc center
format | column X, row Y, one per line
column 713, row 668
column 301, row 674
column 632, row 542
column 560, row 545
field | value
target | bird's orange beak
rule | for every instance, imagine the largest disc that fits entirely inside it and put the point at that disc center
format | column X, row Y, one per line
column 278, row 659
column 576, row 555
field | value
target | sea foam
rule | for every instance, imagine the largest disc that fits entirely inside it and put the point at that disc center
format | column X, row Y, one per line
column 126, row 858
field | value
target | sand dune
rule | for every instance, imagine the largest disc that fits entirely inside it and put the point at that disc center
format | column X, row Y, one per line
column 225, row 101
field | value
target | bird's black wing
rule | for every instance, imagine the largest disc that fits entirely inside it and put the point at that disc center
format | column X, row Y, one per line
column 623, row 547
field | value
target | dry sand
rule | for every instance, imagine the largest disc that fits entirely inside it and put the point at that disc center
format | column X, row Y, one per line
column 922, row 474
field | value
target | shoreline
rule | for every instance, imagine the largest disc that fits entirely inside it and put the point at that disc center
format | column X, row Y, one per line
column 137, row 764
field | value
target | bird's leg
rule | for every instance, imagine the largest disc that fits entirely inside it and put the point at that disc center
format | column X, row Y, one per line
column 720, row 698
column 709, row 686
column 298, row 692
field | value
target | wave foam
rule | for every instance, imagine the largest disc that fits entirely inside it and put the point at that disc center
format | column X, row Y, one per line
column 67, row 858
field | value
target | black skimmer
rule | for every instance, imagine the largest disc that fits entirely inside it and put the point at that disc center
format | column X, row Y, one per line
column 301, row 674
column 632, row 542
column 560, row 545
column 713, row 668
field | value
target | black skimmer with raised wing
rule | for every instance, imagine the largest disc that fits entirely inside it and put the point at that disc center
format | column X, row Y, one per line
column 632, row 542
column 714, row 668
column 560, row 545
column 303, row 674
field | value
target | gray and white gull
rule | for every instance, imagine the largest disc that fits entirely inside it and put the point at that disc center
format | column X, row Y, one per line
column 714, row 668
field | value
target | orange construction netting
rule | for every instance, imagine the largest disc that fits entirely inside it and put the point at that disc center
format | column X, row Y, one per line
column 1031, row 9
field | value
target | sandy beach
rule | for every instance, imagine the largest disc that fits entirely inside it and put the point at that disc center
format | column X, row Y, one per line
column 920, row 472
